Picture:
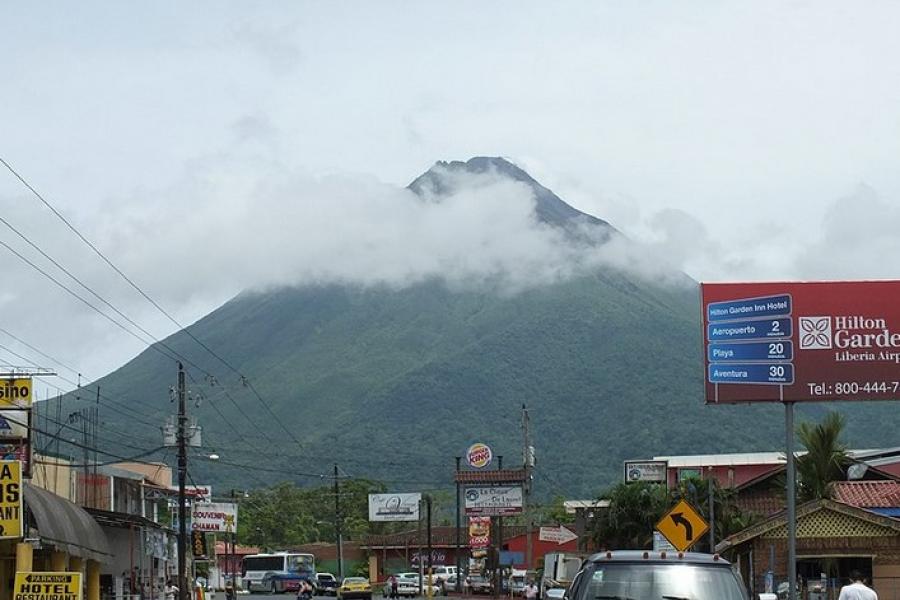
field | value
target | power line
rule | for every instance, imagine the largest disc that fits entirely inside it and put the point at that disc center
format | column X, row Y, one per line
column 138, row 414
column 244, row 380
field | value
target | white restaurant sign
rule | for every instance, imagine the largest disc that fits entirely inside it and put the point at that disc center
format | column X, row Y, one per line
column 214, row 516
column 394, row 507
column 496, row 501
column 646, row 470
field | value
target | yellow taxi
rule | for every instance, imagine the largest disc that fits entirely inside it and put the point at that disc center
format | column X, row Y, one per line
column 355, row 587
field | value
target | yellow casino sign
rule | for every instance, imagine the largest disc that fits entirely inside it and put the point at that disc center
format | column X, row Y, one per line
column 15, row 392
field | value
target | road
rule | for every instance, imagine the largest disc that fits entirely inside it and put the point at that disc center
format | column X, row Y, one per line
column 260, row 596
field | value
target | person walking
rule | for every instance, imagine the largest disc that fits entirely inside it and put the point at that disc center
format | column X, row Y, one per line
column 229, row 590
column 170, row 591
column 856, row 589
column 531, row 591
column 394, row 585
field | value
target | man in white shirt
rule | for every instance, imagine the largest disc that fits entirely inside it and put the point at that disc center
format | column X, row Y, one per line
column 857, row 590
column 531, row 591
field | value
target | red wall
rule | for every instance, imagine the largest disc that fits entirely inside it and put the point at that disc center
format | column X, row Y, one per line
column 539, row 548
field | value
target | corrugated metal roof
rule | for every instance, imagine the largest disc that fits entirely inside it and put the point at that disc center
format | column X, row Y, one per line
column 724, row 460
column 870, row 456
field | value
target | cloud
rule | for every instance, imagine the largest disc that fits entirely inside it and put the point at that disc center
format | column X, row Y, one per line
column 857, row 239
column 229, row 225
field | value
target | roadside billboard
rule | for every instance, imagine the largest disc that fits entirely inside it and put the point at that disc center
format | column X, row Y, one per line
column 214, row 516
column 646, row 470
column 394, row 507
column 201, row 493
column 795, row 342
column 479, row 532
column 494, row 501
column 11, row 517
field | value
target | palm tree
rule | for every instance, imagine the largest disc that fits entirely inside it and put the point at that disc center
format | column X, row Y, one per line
column 825, row 460
column 634, row 509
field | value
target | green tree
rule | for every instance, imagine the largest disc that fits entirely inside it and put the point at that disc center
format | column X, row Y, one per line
column 634, row 509
column 825, row 460
column 729, row 519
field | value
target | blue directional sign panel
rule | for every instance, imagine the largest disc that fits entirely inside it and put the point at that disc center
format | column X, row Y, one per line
column 750, row 308
column 756, row 373
column 751, row 351
column 749, row 330
column 748, row 341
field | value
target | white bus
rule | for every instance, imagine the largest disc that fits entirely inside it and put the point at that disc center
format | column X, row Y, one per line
column 278, row 572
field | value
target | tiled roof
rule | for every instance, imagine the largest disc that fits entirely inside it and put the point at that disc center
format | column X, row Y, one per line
column 497, row 476
column 868, row 494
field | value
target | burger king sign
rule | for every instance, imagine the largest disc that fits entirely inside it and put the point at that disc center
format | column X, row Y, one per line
column 479, row 455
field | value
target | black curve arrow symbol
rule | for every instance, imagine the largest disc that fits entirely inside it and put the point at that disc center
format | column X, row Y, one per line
column 678, row 519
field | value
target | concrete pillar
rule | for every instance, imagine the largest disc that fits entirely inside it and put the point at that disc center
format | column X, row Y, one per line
column 76, row 564
column 58, row 561
column 93, row 580
column 24, row 557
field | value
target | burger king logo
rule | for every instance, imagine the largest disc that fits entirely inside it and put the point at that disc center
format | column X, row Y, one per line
column 479, row 455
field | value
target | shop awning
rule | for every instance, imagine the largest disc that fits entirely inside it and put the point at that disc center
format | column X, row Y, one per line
column 66, row 525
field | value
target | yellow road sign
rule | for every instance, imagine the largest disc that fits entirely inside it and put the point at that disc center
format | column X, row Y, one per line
column 47, row 586
column 682, row 526
column 10, row 499
column 15, row 392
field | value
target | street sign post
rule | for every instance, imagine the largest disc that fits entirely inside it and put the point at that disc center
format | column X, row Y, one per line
column 558, row 535
column 682, row 526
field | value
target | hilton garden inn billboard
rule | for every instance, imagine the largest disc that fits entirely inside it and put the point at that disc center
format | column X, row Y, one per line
column 821, row 341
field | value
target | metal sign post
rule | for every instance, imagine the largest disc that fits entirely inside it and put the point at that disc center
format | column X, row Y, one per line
column 791, row 500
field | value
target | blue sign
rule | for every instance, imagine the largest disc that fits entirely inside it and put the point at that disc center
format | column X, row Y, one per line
column 749, row 330
column 751, row 351
column 750, row 308
column 752, row 373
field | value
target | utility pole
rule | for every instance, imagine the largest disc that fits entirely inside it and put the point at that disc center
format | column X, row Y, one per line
column 430, row 591
column 458, row 526
column 498, row 576
column 234, row 561
column 711, row 491
column 182, row 473
column 528, row 460
column 337, row 525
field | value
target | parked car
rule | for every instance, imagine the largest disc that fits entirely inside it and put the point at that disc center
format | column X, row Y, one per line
column 644, row 575
column 355, row 587
column 406, row 586
column 479, row 584
column 326, row 584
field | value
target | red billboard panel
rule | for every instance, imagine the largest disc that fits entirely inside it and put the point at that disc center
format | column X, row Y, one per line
column 795, row 342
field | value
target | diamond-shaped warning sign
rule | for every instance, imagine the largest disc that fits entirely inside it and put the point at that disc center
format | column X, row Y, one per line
column 682, row 526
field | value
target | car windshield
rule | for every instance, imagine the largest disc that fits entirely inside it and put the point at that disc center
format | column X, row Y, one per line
column 355, row 580
column 655, row 581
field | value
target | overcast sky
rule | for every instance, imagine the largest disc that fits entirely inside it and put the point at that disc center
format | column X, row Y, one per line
column 211, row 147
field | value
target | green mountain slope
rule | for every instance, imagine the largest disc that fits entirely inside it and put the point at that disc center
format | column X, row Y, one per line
column 393, row 383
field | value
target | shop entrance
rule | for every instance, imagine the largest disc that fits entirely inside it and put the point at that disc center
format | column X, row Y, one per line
column 821, row 578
